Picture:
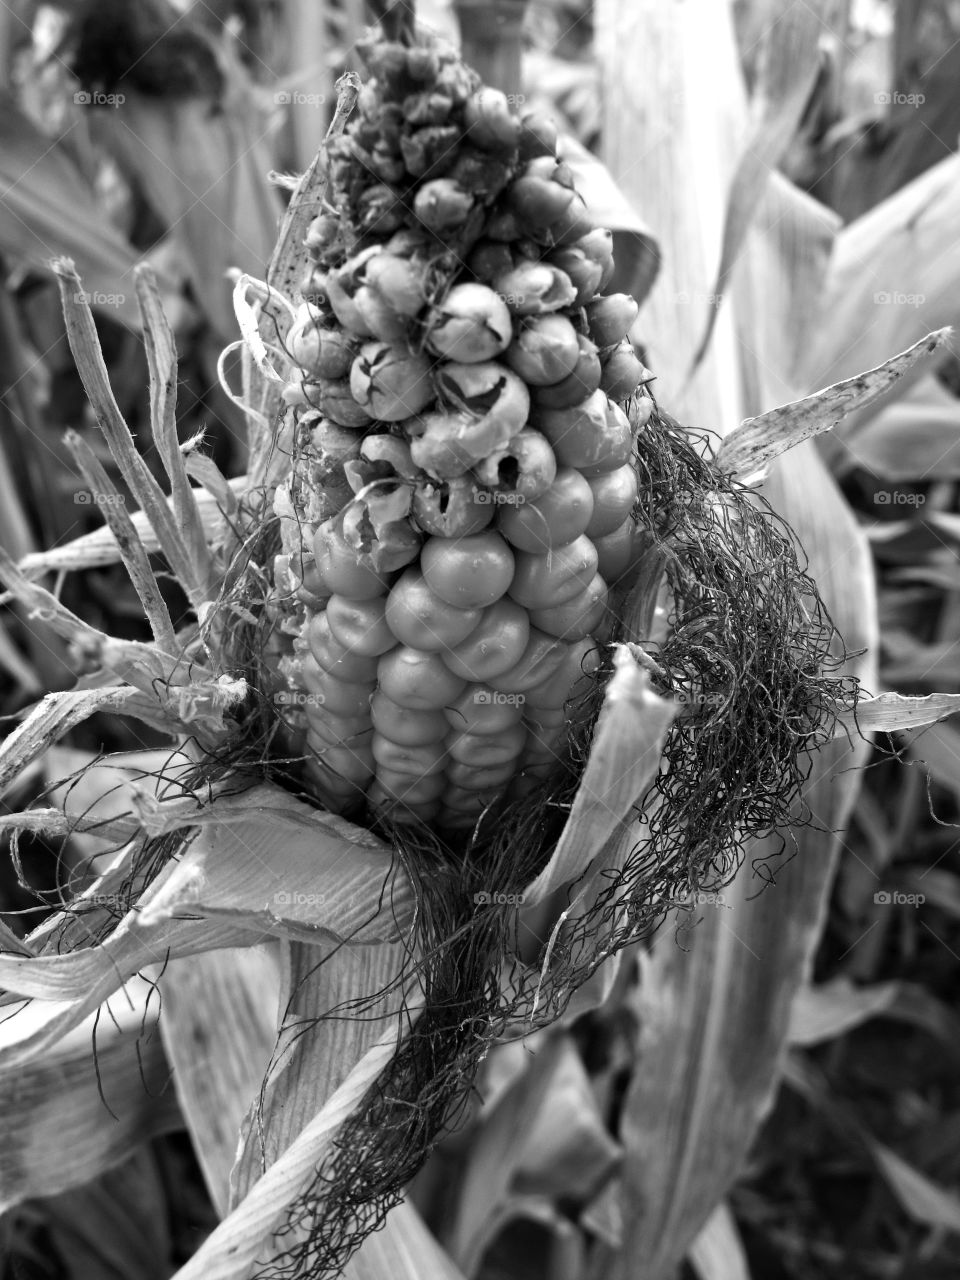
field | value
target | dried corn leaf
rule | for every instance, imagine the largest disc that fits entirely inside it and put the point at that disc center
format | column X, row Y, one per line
column 748, row 449
column 273, row 865
column 915, row 440
column 831, row 1009
column 787, row 66
column 132, row 552
column 403, row 1249
column 222, row 214
column 246, row 1234
column 919, row 1196
column 891, row 711
column 624, row 757
column 894, row 277
column 68, row 1116
column 161, row 353
column 718, row 1252
column 219, row 1027
column 319, row 1045
column 47, row 723
column 714, row 1018
column 88, row 357
column 635, row 246
column 99, row 548
column 49, row 209
column 495, row 1155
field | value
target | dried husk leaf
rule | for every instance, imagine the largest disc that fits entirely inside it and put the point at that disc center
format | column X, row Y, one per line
column 624, row 757
column 274, row 865
column 58, row 1131
column 315, row 1052
column 219, row 1028
column 99, row 548
column 748, row 449
column 229, row 1253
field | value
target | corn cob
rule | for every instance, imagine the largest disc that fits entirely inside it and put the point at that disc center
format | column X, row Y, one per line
column 463, row 415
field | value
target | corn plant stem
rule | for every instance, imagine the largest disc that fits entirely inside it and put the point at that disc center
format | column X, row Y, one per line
column 491, row 34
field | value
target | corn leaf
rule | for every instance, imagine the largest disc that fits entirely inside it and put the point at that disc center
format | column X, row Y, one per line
column 85, row 346
column 635, row 247
column 915, row 440
column 831, row 1009
column 893, row 278
column 219, row 1027
column 221, row 214
column 49, row 210
column 404, row 1249
column 69, row 1115
column 718, row 1252
column 749, row 448
column 319, row 1045
column 246, row 1234
column 272, row 865
column 131, row 550
column 624, row 756
column 111, row 1228
column 890, row 711
column 161, row 353
column 714, row 1017
column 99, row 548
column 787, row 65
column 495, row 1153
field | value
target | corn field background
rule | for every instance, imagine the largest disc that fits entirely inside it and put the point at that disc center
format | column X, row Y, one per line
column 768, row 1087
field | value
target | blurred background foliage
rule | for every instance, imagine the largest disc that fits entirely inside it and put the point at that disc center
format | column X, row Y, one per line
column 139, row 129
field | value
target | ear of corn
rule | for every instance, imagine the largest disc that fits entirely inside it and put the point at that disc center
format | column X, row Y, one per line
column 464, row 413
